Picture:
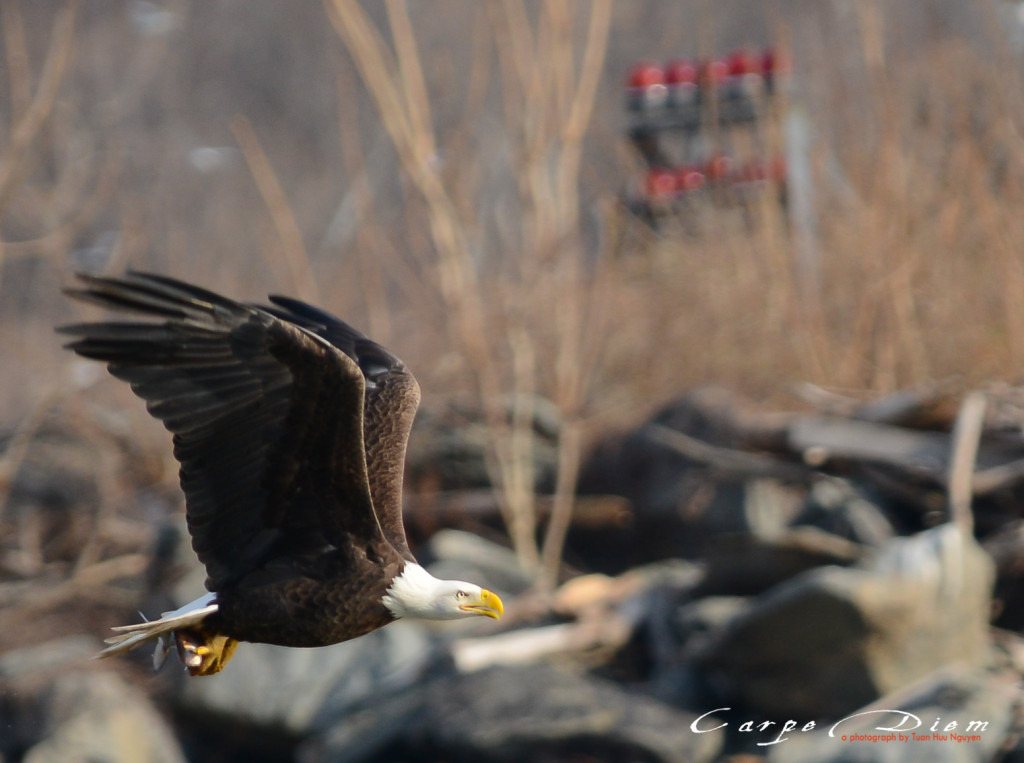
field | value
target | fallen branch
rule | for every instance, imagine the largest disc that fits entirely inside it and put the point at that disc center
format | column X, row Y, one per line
column 451, row 507
column 966, row 437
column 529, row 645
column 727, row 460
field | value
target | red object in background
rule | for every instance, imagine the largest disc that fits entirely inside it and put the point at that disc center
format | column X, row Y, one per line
column 746, row 75
column 660, row 184
column 743, row 62
column 713, row 71
column 681, row 71
column 646, row 86
column 689, row 178
column 681, row 77
column 646, row 74
column 719, row 168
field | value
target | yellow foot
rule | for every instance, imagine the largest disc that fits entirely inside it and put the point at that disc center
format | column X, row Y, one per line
column 204, row 652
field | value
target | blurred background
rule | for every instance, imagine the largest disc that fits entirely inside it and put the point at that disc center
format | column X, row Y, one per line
column 718, row 311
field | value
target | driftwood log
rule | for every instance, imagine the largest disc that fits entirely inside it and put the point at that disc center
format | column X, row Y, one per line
column 967, row 447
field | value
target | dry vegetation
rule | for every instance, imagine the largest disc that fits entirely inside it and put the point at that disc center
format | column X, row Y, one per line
column 466, row 240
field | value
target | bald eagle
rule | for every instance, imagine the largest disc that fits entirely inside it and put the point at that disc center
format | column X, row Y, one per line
column 290, row 428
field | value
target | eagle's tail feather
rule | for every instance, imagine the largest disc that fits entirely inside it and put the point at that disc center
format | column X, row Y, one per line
column 131, row 636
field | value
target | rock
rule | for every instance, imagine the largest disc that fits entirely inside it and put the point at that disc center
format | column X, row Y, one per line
column 979, row 702
column 660, row 484
column 365, row 734
column 536, row 713
column 834, row 639
column 302, row 690
column 1007, row 550
column 630, row 618
column 759, row 508
column 744, row 565
column 99, row 717
column 647, row 472
column 837, row 507
column 672, row 644
column 679, row 504
column 57, row 710
column 24, row 675
column 22, row 665
column 682, row 512
column 447, row 447
column 699, row 621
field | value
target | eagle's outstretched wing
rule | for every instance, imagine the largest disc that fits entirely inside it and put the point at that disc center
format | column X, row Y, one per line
column 267, row 420
column 392, row 397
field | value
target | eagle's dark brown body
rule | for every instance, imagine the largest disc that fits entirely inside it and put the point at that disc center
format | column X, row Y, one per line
column 303, row 611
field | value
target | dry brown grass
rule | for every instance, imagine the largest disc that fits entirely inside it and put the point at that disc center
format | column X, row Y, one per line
column 545, row 289
column 475, row 262
column 918, row 253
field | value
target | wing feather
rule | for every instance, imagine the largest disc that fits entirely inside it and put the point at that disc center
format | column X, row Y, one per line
column 267, row 420
column 392, row 397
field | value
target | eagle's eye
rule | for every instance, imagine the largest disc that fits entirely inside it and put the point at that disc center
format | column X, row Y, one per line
column 460, row 595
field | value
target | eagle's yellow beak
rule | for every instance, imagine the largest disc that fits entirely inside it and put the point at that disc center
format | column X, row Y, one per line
column 489, row 604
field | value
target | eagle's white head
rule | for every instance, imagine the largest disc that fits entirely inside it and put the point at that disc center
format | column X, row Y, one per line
column 417, row 593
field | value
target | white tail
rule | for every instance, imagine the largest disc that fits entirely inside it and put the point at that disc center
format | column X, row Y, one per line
column 131, row 636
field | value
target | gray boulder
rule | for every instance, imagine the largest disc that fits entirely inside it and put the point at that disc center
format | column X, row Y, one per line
column 448, row 446
column 59, row 709
column 302, row 690
column 955, row 715
column 681, row 504
column 536, row 712
column 747, row 564
column 99, row 717
column 838, row 507
column 834, row 639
